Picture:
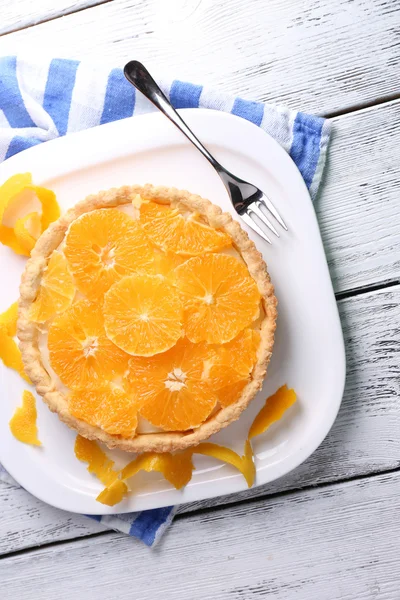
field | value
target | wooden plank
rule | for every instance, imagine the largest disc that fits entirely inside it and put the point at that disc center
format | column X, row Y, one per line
column 26, row 521
column 25, row 13
column 364, row 438
column 340, row 541
column 318, row 56
column 358, row 207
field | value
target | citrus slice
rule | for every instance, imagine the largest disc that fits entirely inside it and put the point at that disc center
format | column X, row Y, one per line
column 220, row 297
column 184, row 234
column 23, row 423
column 143, row 314
column 56, row 292
column 80, row 352
column 170, row 389
column 104, row 245
column 109, row 408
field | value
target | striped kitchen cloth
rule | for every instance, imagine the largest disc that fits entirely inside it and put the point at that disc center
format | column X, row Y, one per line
column 42, row 100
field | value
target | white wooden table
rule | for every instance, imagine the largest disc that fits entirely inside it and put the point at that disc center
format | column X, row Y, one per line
column 331, row 529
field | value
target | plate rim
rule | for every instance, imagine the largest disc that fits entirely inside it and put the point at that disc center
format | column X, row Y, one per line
column 291, row 462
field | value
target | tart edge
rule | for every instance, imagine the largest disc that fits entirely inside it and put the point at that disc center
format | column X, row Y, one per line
column 27, row 331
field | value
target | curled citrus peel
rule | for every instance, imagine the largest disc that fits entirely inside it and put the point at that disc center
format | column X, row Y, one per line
column 20, row 227
column 178, row 468
column 8, row 319
column 9, row 351
column 23, row 423
column 273, row 410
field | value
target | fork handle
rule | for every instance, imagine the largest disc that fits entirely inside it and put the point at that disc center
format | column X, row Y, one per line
column 141, row 79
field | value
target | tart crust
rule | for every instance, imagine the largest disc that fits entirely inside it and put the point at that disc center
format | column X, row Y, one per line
column 28, row 331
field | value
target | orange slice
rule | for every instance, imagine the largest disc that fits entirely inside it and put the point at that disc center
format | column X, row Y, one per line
column 109, row 408
column 23, row 423
column 80, row 352
column 56, row 292
column 170, row 388
column 143, row 314
column 230, row 393
column 104, row 245
column 176, row 232
column 220, row 297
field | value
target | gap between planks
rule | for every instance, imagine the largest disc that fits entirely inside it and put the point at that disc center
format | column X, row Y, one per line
column 211, row 509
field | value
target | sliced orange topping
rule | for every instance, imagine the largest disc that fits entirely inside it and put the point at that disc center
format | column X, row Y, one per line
column 274, row 409
column 98, row 462
column 104, row 245
column 220, row 296
column 20, row 227
column 80, row 352
column 23, row 423
column 109, row 408
column 184, row 234
column 232, row 365
column 170, row 389
column 56, row 292
column 230, row 393
column 143, row 314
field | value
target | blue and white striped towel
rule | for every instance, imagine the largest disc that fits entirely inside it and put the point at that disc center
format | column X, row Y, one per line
column 40, row 101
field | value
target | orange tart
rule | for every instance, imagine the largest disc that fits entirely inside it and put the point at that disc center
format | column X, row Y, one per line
column 146, row 318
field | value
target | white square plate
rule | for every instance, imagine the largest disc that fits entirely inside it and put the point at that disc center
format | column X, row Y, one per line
column 309, row 351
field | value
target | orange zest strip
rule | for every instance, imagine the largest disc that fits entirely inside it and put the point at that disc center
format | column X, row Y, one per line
column 103, row 468
column 23, row 234
column 274, row 409
column 113, row 494
column 98, row 462
column 8, row 319
column 23, row 423
column 244, row 464
column 176, row 468
column 10, row 353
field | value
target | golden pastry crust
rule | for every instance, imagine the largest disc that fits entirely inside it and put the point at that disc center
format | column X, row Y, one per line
column 28, row 332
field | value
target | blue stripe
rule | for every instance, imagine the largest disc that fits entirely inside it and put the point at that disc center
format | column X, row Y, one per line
column 95, row 517
column 146, row 525
column 119, row 102
column 58, row 92
column 19, row 143
column 305, row 148
column 185, row 95
column 11, row 102
column 252, row 111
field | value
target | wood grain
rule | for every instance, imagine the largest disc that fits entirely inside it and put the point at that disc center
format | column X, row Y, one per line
column 358, row 207
column 315, row 55
column 335, row 542
column 363, row 440
column 25, row 13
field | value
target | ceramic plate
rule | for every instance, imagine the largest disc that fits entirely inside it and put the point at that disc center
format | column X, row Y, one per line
column 309, row 351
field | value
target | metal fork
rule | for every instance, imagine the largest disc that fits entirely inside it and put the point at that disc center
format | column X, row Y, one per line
column 248, row 201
